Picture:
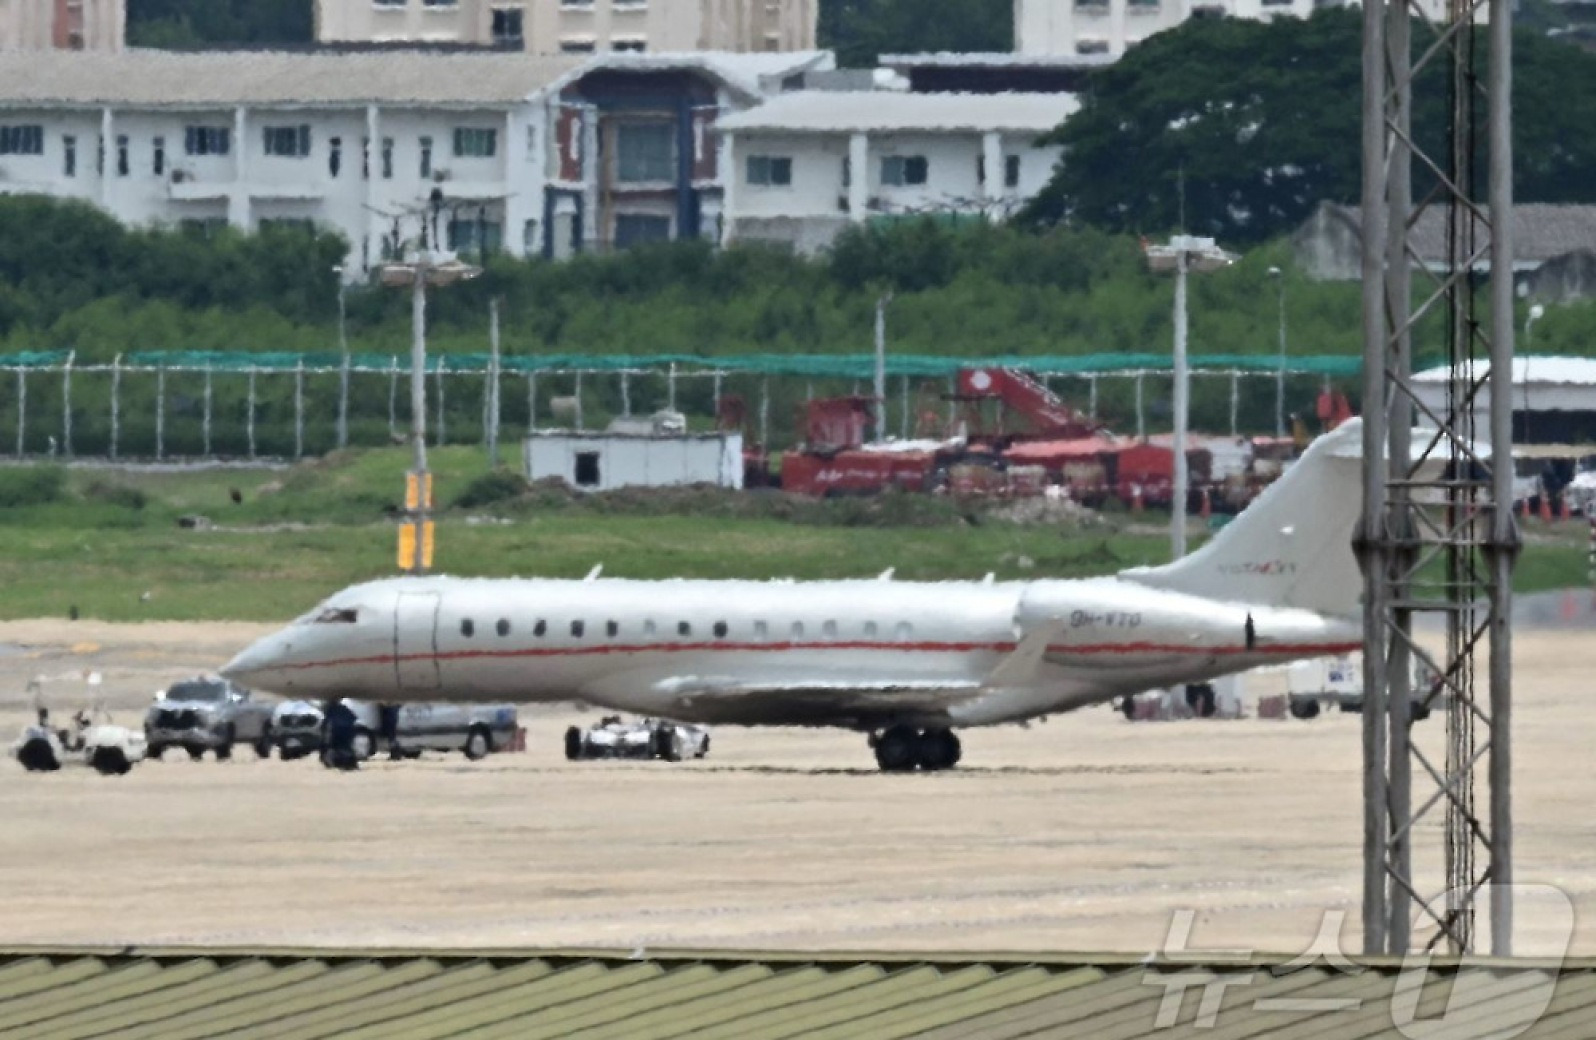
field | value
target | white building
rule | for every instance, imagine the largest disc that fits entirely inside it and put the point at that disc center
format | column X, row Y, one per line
column 1108, row 27
column 805, row 165
column 606, row 461
column 575, row 26
column 246, row 139
column 71, row 25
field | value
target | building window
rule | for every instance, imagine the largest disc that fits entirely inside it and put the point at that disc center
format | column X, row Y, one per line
column 288, row 225
column 900, row 170
column 123, row 161
column 577, row 46
column 335, row 155
column 580, row 5
column 577, row 627
column 21, row 140
column 474, row 235
column 440, row 3
column 158, row 156
column 287, row 142
column 203, row 227
column 69, row 156
column 507, row 26
column 635, row 229
column 99, row 156
column 769, row 170
column 645, row 152
column 387, row 158
column 207, row 140
column 503, row 627
column 389, row 3
column 468, row 628
column 847, row 172
column 1011, row 171
column 628, row 44
column 365, row 158
column 470, row 143
column 1091, row 46
column 426, row 158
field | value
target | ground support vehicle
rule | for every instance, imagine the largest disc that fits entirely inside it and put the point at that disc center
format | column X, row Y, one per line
column 207, row 714
column 614, row 737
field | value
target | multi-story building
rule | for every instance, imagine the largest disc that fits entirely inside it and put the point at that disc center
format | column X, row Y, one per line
column 803, row 166
column 575, row 26
column 355, row 143
column 635, row 157
column 74, row 25
column 530, row 155
column 1108, row 27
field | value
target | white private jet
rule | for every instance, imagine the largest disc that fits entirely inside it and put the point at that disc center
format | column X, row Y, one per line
column 905, row 662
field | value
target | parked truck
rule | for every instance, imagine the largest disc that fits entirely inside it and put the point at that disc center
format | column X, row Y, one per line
column 207, row 714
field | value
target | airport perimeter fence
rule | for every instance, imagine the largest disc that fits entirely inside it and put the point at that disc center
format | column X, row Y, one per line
column 181, row 406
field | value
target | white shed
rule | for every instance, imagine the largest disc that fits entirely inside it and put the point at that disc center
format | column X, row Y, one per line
column 605, row 461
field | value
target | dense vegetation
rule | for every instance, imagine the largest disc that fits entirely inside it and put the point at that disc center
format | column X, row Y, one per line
column 192, row 24
column 1242, row 127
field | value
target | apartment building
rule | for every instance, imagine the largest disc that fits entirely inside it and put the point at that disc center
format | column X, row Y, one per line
column 803, row 166
column 75, row 25
column 1108, row 27
column 576, row 26
column 355, row 143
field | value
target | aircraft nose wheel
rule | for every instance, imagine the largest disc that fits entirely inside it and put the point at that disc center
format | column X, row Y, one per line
column 902, row 748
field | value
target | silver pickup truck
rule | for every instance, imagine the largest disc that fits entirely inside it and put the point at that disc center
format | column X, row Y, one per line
column 206, row 714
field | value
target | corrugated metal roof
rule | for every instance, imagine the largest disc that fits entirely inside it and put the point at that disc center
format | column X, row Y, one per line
column 215, row 78
column 1546, row 371
column 848, row 111
column 1541, row 231
column 377, row 995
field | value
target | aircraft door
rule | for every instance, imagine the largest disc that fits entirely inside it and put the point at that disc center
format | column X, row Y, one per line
column 415, row 641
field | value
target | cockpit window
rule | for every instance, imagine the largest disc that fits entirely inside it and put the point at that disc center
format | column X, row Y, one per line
column 337, row 616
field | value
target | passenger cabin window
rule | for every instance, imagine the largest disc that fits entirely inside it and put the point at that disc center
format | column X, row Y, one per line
column 648, row 628
column 503, row 627
column 467, row 628
column 761, row 630
column 576, row 629
column 829, row 630
column 797, row 629
column 683, row 628
column 613, row 628
column 902, row 631
column 870, row 629
column 720, row 630
column 540, row 628
column 336, row 616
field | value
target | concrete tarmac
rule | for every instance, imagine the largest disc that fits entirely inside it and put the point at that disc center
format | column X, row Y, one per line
column 1083, row 833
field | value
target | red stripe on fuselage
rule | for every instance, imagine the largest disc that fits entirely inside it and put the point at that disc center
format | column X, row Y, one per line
column 1278, row 649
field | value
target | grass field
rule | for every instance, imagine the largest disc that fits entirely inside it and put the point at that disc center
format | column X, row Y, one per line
column 97, row 540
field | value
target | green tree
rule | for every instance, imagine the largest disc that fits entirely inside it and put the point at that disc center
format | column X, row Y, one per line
column 1237, row 129
column 193, row 24
column 861, row 30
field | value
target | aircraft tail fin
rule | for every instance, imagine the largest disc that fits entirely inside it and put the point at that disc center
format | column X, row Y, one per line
column 1292, row 547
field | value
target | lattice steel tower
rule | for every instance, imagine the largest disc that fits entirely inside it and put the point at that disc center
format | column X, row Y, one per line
column 1437, row 534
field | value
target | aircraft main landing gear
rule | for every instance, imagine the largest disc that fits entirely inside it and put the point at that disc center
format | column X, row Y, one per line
column 900, row 749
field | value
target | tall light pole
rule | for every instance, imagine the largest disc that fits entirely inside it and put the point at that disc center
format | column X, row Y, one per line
column 426, row 267
column 881, row 367
column 343, row 370
column 1280, row 376
column 1183, row 253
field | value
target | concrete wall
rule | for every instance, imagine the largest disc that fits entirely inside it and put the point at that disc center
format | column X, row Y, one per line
column 636, row 461
column 90, row 25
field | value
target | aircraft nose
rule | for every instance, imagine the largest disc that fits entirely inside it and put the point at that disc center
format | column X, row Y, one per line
column 259, row 665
